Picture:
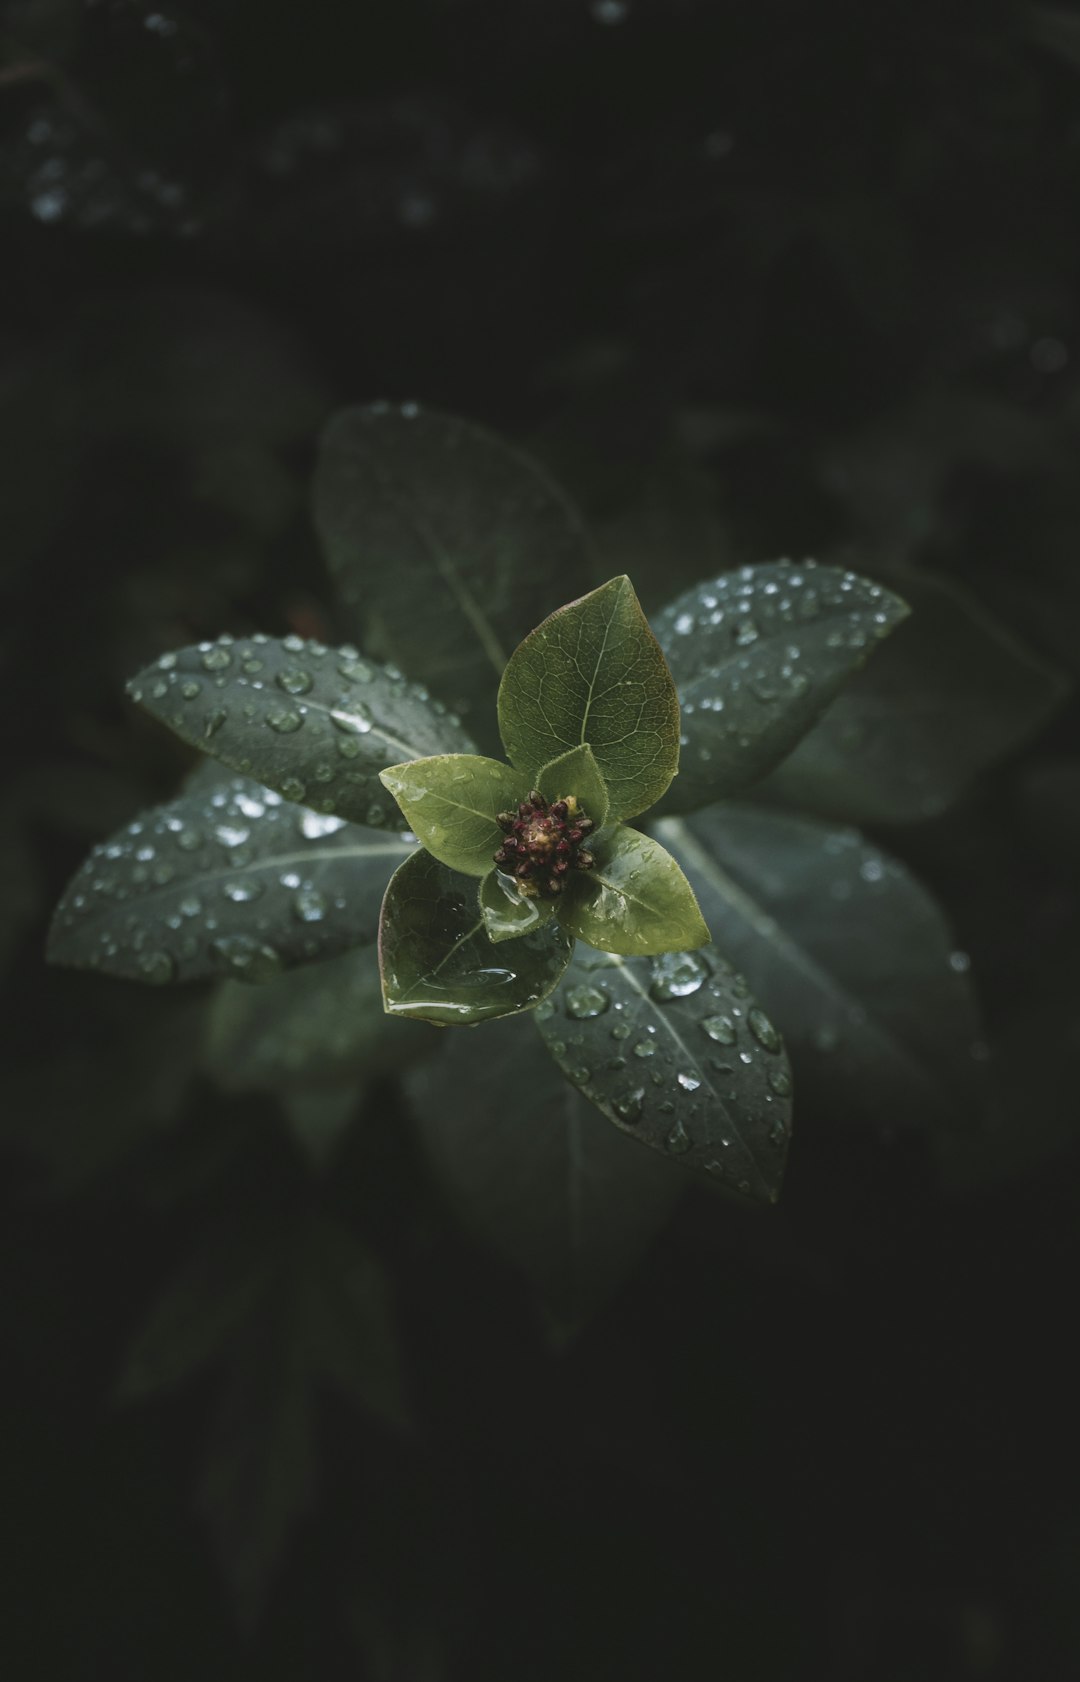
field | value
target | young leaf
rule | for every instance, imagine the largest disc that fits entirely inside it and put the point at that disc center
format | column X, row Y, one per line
column 849, row 953
column 675, row 1051
column 757, row 655
column 536, row 1174
column 577, row 773
column 447, row 544
column 451, row 802
column 437, row 961
column 636, row 901
column 233, row 882
column 506, row 913
column 954, row 692
column 317, row 724
column 593, row 672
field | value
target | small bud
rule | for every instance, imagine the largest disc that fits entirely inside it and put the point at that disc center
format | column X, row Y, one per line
column 537, row 801
column 560, row 809
column 585, row 826
column 523, row 870
column 500, row 856
column 511, row 844
column 561, row 866
column 585, row 861
column 574, row 835
column 555, row 886
column 505, row 821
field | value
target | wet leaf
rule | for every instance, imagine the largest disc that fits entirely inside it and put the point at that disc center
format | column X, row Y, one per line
column 231, row 882
column 848, row 952
column 447, row 545
column 451, row 801
column 536, row 1174
column 757, row 655
column 676, row 1052
column 593, row 672
column 636, row 901
column 317, row 724
column 508, row 914
column 577, row 773
column 952, row 693
column 437, row 962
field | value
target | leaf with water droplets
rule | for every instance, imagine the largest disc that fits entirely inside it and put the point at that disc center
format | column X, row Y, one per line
column 635, row 901
column 447, row 544
column 953, row 693
column 451, row 802
column 317, row 724
column 577, row 773
column 231, row 881
column 437, row 961
column 593, row 672
column 850, row 955
column 508, row 914
column 757, row 655
column 680, row 1057
column 535, row 1173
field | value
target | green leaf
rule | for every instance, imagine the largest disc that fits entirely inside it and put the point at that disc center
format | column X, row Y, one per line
column 636, row 901
column 675, row 1051
column 593, row 672
column 506, row 913
column 757, row 655
column 849, row 953
column 317, row 724
column 535, row 1173
column 954, row 692
column 577, row 773
column 437, row 961
column 233, row 882
column 451, row 800
column 315, row 1028
column 447, row 545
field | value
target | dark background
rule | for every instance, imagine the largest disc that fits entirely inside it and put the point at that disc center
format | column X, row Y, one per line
column 814, row 268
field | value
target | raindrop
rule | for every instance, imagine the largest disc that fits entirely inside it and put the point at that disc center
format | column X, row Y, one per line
column 678, row 1140
column 231, row 835
column 580, row 1075
column 246, row 959
column 645, row 1048
column 621, row 1031
column 763, row 1030
column 309, row 906
column 780, row 1081
column 356, row 671
column 689, row 1083
column 314, row 825
column 216, row 659
column 191, row 690
column 582, row 1003
column 243, row 890
column 294, row 680
column 721, row 1029
column 355, row 721
column 628, row 1108
column 284, row 720
column 375, row 816
column 292, row 788
column 677, row 974
column 214, row 721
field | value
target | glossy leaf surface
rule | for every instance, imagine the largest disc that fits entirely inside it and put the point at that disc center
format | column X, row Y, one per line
column 506, row 913
column 593, row 672
column 451, row 800
column 636, row 901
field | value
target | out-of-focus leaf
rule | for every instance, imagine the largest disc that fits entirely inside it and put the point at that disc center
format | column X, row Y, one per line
column 757, row 656
column 593, row 672
column 438, row 964
column 951, row 693
column 447, row 545
column 676, row 1052
column 535, row 1173
column 317, row 724
column 850, row 955
column 235, row 882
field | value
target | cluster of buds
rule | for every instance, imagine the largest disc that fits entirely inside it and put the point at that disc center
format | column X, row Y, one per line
column 544, row 844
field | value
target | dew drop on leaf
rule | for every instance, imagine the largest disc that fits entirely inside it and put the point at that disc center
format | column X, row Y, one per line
column 721, row 1029
column 628, row 1107
column 763, row 1030
column 676, row 975
column 294, row 680
column 585, row 1002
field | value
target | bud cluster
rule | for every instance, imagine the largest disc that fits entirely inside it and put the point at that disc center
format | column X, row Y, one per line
column 544, row 844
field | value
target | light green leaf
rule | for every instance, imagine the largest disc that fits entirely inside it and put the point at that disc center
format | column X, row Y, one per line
column 952, row 693
column 757, row 656
column 447, row 545
column 577, row 773
column 437, row 961
column 535, row 1173
column 317, row 724
column 636, row 901
column 451, row 800
column 593, row 672
column 506, row 913
column 676, row 1052
column 229, row 882
column 849, row 953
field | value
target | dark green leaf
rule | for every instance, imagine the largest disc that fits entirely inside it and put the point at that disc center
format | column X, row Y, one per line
column 952, row 693
column 636, row 901
column 848, row 952
column 320, row 1026
column 234, row 882
column 577, row 773
column 317, row 724
column 506, row 913
column 451, row 802
column 437, row 961
column 536, row 1173
column 447, row 545
column 757, row 655
column 675, row 1051
column 593, row 672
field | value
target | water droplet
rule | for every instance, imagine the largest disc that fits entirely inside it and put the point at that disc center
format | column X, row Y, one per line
column 678, row 1140
column 628, row 1108
column 684, row 624
column 721, row 1029
column 243, row 890
column 960, row 962
column 246, row 959
column 585, row 1002
column 580, row 1075
column 351, row 718
column 645, row 1048
column 294, row 680
column 689, row 1083
column 214, row 721
column 158, row 968
column 314, row 825
column 677, row 974
column 309, row 906
column 216, row 659
column 746, row 634
column 191, row 690
column 375, row 816
column 355, row 670
column 231, row 835
column 763, row 1030
column 780, row 1081
column 292, row 788
column 284, row 720
column 191, row 906
column 621, row 1031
